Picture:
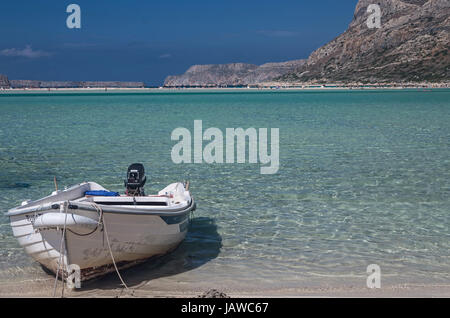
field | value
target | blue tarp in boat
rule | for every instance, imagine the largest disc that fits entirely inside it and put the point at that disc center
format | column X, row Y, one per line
column 102, row 193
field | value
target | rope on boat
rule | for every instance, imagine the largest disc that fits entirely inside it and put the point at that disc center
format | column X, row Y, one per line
column 61, row 254
column 102, row 220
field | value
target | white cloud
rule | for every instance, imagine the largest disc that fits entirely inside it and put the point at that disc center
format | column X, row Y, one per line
column 27, row 52
column 165, row 56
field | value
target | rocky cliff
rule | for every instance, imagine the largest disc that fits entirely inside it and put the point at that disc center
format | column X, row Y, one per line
column 211, row 75
column 412, row 45
column 235, row 74
column 4, row 82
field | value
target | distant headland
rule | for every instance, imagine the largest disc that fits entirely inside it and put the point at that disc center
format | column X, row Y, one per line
column 5, row 83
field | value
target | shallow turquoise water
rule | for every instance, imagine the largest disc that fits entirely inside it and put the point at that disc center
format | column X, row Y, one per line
column 364, row 178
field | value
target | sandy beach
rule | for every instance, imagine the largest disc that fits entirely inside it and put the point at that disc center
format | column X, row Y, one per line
column 161, row 278
column 161, row 288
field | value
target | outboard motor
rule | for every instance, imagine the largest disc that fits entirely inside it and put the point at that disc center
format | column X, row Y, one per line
column 135, row 180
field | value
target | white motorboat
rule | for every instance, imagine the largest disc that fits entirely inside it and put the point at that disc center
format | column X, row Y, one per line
column 89, row 228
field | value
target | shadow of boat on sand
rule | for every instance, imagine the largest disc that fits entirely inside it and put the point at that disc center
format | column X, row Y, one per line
column 201, row 245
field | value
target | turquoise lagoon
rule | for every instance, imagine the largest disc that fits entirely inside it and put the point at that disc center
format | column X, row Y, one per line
column 364, row 178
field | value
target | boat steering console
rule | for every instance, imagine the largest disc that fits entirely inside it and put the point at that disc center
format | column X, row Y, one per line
column 135, row 181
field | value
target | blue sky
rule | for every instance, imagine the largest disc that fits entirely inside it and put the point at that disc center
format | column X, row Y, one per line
column 147, row 40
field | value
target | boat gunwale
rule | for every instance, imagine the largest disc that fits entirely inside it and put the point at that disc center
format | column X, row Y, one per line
column 105, row 208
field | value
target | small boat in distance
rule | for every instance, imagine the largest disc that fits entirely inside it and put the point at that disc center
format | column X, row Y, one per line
column 89, row 228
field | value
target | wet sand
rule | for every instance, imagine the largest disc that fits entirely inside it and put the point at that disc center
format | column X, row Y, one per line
column 163, row 287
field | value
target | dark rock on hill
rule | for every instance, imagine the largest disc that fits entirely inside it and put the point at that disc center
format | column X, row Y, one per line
column 4, row 82
column 213, row 293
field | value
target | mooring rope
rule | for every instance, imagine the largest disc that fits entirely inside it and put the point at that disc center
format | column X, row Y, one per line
column 61, row 254
column 102, row 220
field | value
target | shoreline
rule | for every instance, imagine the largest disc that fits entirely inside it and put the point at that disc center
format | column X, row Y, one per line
column 43, row 288
column 223, row 89
column 145, row 283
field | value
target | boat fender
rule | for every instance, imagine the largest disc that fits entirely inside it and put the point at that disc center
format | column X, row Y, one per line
column 71, row 221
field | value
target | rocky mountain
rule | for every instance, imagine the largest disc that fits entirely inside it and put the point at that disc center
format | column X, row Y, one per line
column 412, row 45
column 211, row 75
column 235, row 74
column 4, row 82
column 73, row 84
column 269, row 71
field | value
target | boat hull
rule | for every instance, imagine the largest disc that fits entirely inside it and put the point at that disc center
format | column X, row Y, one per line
column 133, row 238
